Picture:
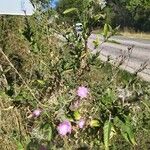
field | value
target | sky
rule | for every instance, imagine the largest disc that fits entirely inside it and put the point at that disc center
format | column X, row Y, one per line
column 54, row 2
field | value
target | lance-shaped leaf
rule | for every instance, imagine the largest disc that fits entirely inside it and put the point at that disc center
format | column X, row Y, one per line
column 105, row 31
column 99, row 16
column 19, row 146
column 70, row 10
column 107, row 133
column 127, row 133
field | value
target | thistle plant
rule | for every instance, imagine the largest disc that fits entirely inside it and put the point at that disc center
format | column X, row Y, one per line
column 64, row 97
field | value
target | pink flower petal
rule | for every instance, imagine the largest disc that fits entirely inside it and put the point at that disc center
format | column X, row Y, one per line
column 81, row 123
column 82, row 92
column 36, row 113
column 64, row 128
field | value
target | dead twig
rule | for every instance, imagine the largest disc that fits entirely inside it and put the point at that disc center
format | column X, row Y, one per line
column 29, row 89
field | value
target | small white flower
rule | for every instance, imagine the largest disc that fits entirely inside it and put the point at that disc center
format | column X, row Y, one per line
column 123, row 93
column 102, row 3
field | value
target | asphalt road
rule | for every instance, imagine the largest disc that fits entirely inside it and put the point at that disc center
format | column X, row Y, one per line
column 118, row 45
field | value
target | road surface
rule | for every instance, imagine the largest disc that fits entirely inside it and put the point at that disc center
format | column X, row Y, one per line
column 119, row 45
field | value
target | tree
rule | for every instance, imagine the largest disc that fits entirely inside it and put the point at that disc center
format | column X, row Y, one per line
column 129, row 13
column 140, row 10
column 81, row 6
column 62, row 5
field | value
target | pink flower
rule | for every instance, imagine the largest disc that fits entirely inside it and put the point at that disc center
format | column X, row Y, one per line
column 64, row 128
column 36, row 112
column 82, row 92
column 81, row 123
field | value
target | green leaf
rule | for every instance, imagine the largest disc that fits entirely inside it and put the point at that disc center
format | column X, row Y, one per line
column 105, row 30
column 98, row 16
column 42, row 82
column 96, row 43
column 94, row 123
column 117, row 28
column 77, row 115
column 127, row 133
column 19, row 146
column 70, row 10
column 126, row 129
column 46, row 131
column 108, row 31
column 110, row 28
column 112, row 132
column 109, row 97
column 114, row 31
column 107, row 132
column 111, row 94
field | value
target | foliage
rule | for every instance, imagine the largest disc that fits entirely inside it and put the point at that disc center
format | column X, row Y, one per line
column 53, row 83
column 129, row 13
column 126, row 13
column 140, row 12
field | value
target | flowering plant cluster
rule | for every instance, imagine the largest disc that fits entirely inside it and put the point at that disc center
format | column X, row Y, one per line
column 81, row 120
column 65, row 127
column 53, row 111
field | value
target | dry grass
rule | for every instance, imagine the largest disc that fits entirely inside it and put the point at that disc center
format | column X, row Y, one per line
column 129, row 33
column 11, row 127
column 139, row 35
